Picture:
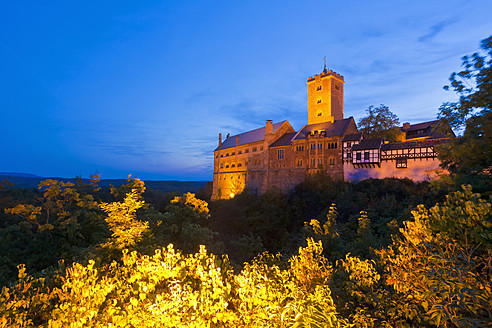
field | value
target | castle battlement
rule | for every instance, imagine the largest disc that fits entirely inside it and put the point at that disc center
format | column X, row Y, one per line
column 324, row 74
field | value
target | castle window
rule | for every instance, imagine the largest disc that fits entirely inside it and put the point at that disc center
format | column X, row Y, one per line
column 239, row 165
column 337, row 87
column 358, row 156
column 299, row 162
column 246, row 151
column 313, row 162
column 366, row 156
column 320, row 146
column 313, row 146
column 261, row 148
column 318, row 88
column 221, row 155
column 332, row 161
column 227, row 166
column 254, row 149
column 233, row 165
column 336, row 146
column 227, row 154
column 280, row 154
column 401, row 163
column 239, row 152
column 234, row 153
column 221, row 165
column 319, row 102
column 320, row 113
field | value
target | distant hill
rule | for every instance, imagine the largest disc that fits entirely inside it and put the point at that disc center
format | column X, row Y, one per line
column 15, row 174
column 23, row 180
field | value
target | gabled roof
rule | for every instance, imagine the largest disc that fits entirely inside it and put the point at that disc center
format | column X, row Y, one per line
column 413, row 144
column 352, row 137
column 334, row 129
column 284, row 140
column 248, row 137
column 366, row 144
column 420, row 126
column 427, row 129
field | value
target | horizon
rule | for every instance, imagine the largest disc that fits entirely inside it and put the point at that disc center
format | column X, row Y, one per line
column 29, row 175
column 144, row 89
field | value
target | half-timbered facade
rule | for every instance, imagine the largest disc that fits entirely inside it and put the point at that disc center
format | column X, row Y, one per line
column 414, row 158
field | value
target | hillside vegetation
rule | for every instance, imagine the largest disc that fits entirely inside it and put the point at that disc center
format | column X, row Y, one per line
column 71, row 258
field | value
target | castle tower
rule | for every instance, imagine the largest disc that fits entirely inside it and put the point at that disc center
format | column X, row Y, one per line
column 325, row 97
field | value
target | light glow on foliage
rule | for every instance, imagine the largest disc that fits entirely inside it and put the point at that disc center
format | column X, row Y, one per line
column 428, row 277
column 127, row 230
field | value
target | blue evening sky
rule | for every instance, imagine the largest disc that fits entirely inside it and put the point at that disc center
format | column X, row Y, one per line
column 144, row 87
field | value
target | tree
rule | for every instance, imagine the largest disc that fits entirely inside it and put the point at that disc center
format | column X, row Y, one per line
column 122, row 220
column 474, row 86
column 380, row 122
column 440, row 265
column 469, row 158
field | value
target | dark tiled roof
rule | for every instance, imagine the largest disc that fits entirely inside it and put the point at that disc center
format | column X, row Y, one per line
column 352, row 137
column 413, row 144
column 427, row 129
column 364, row 144
column 420, row 126
column 334, row 129
column 284, row 140
column 248, row 137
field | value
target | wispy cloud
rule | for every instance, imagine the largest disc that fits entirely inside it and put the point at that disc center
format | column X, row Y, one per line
column 435, row 29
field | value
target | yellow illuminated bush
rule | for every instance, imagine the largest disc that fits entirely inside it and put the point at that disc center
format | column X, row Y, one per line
column 127, row 230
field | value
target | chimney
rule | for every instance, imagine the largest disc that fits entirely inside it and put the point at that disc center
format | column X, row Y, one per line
column 268, row 127
column 406, row 126
column 237, row 140
column 220, row 139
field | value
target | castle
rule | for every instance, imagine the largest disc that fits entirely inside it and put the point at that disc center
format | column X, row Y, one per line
column 276, row 155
